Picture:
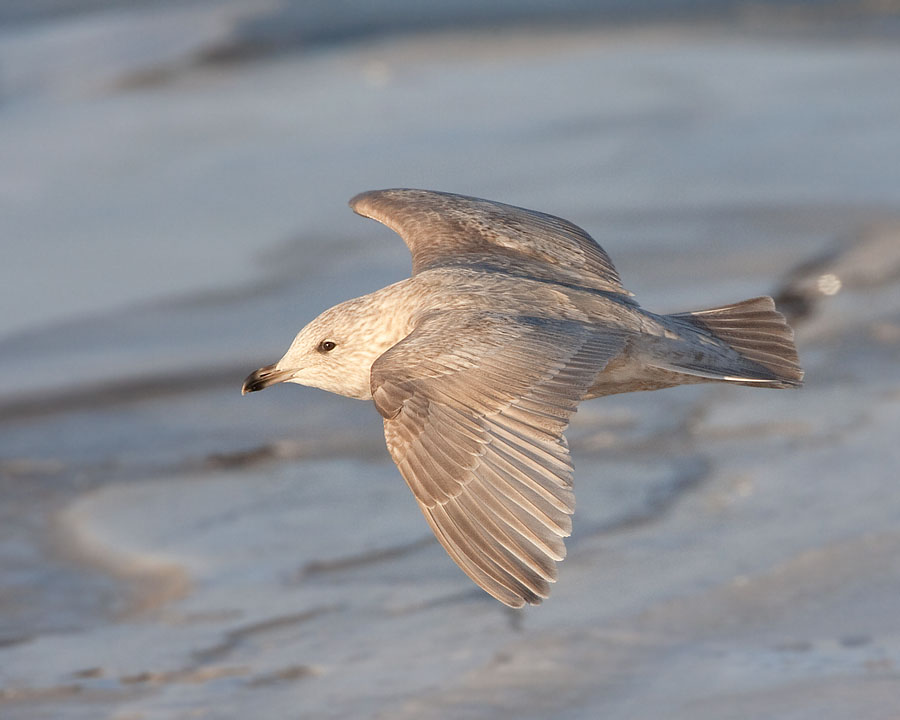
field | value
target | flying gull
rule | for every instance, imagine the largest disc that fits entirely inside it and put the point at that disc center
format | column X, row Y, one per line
column 477, row 362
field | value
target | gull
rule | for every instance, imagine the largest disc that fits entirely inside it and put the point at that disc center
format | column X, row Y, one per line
column 478, row 361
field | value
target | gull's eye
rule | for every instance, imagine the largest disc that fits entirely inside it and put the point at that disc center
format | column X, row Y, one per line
column 326, row 346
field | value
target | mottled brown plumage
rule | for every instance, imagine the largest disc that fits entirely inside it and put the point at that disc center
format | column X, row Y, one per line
column 478, row 361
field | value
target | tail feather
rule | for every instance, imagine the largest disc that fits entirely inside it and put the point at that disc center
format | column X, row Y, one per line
column 760, row 336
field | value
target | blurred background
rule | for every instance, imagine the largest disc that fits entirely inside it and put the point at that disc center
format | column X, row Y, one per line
column 173, row 187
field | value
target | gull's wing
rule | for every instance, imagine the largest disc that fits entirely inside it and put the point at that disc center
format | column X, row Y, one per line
column 474, row 408
column 443, row 229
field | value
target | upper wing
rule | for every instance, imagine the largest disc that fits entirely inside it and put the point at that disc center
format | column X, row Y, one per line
column 474, row 409
column 444, row 229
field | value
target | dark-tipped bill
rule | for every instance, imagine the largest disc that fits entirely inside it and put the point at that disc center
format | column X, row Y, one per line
column 262, row 378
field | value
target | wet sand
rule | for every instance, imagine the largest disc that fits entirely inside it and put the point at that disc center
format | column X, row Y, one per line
column 169, row 549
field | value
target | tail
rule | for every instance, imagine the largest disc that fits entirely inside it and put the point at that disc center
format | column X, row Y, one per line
column 764, row 354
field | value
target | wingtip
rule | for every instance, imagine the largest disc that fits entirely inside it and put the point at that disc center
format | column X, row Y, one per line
column 359, row 200
column 361, row 203
column 364, row 203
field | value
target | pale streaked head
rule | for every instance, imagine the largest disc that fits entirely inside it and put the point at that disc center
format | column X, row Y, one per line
column 335, row 351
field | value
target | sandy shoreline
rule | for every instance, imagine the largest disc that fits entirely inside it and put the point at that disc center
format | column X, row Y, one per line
column 149, row 582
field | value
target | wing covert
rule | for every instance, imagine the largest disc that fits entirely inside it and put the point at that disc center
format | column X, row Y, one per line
column 474, row 409
column 444, row 229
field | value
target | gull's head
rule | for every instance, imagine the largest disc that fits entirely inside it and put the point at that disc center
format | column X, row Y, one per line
column 335, row 351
